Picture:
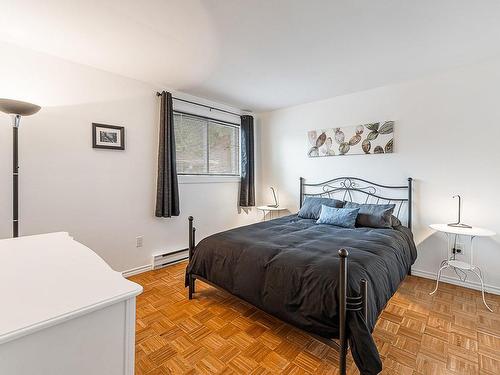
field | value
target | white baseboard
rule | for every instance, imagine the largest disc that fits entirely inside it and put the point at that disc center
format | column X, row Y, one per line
column 161, row 260
column 451, row 280
column 149, row 267
column 137, row 270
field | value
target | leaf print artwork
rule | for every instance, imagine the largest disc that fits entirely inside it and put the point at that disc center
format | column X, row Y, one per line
column 366, row 145
column 321, row 139
column 387, row 128
column 313, row 135
column 328, row 147
column 389, row 146
column 313, row 152
column 339, row 136
column 367, row 139
column 373, row 126
column 344, row 148
column 372, row 135
column 329, row 142
column 355, row 140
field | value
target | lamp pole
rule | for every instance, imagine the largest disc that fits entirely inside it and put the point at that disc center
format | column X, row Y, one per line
column 16, row 119
column 16, row 109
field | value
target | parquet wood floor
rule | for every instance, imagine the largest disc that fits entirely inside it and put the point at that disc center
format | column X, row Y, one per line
column 448, row 333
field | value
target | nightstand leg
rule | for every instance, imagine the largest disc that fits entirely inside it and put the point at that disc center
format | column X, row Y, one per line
column 482, row 286
column 438, row 277
column 471, row 250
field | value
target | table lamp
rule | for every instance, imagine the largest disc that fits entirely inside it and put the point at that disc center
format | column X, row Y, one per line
column 458, row 224
column 276, row 204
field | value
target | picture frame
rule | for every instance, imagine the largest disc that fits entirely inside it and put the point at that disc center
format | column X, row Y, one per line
column 108, row 137
column 364, row 139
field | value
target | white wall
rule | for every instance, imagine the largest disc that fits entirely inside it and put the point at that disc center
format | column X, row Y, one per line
column 103, row 198
column 447, row 139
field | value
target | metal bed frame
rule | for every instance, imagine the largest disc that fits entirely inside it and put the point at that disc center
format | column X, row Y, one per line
column 348, row 188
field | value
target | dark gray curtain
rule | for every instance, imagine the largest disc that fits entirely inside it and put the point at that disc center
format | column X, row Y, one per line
column 167, row 192
column 247, row 188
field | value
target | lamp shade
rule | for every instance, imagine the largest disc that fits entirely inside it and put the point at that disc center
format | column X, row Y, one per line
column 17, row 107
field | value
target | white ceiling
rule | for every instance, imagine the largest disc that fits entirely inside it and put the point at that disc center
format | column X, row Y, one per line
column 259, row 54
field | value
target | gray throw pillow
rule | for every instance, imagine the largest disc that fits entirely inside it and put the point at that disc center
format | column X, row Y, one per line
column 373, row 215
column 311, row 207
column 340, row 217
column 395, row 222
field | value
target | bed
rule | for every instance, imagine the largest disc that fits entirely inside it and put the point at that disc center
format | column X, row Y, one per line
column 330, row 281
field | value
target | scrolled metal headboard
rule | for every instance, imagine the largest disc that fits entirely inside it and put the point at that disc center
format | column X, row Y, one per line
column 349, row 188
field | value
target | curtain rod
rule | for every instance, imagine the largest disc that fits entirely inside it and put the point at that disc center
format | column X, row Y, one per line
column 202, row 105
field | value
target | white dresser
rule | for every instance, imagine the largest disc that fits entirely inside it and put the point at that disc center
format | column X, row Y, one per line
column 63, row 310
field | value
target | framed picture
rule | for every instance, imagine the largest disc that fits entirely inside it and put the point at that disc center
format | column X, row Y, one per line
column 108, row 136
column 373, row 138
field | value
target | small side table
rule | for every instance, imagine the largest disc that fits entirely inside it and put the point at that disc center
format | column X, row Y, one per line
column 458, row 264
column 270, row 210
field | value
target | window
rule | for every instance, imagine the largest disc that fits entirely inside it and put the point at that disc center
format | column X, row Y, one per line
column 205, row 146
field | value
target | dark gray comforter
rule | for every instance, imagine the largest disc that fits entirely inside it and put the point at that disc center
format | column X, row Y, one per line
column 288, row 267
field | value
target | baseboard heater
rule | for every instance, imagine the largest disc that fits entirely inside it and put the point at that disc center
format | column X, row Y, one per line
column 165, row 259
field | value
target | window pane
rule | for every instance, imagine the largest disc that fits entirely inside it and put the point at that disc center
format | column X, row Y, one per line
column 191, row 144
column 223, row 149
column 206, row 147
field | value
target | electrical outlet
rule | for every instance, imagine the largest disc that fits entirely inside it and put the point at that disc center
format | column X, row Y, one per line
column 458, row 249
column 138, row 241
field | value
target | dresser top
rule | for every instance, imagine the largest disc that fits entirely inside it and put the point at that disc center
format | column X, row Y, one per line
column 49, row 278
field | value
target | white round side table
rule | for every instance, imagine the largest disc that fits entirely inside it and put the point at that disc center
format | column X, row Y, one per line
column 271, row 210
column 450, row 261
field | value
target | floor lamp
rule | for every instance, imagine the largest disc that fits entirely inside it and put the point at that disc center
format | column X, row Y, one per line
column 16, row 109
